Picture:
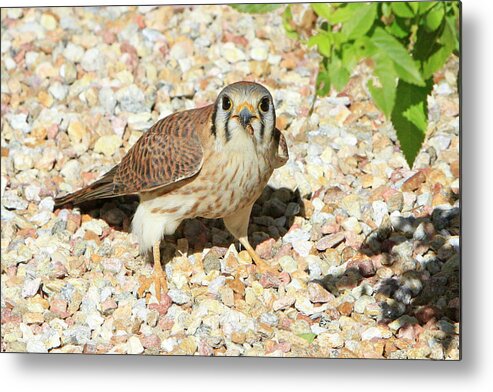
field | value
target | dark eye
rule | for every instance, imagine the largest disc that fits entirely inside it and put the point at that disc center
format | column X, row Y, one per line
column 264, row 104
column 226, row 103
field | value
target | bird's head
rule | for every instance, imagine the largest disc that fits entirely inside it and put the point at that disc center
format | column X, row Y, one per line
column 245, row 108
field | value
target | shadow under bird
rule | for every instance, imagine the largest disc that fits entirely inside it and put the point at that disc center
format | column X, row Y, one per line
column 210, row 162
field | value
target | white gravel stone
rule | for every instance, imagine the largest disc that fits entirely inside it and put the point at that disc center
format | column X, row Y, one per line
column 108, row 145
column 134, row 346
column 380, row 210
column 352, row 224
column 22, row 161
column 168, row 344
column 94, row 225
column 9, row 63
column 92, row 60
column 362, row 302
column 107, row 99
column 288, row 264
column 14, row 13
column 179, row 297
column 71, row 170
column 41, row 218
column 73, row 52
column 112, row 264
column 333, row 340
column 11, row 201
column 94, row 320
column 371, row 333
column 58, row 90
column 47, row 204
column 232, row 53
column 31, row 287
column 36, row 346
column 216, row 284
column 259, row 51
column 19, row 122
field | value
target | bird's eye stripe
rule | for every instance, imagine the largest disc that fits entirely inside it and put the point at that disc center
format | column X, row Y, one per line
column 227, row 133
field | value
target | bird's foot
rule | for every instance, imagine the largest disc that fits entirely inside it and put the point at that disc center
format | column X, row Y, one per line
column 261, row 265
column 158, row 277
column 265, row 268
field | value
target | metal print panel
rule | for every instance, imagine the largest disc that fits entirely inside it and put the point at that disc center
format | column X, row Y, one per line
column 277, row 180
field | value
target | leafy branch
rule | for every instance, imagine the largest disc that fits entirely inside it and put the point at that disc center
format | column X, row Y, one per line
column 407, row 42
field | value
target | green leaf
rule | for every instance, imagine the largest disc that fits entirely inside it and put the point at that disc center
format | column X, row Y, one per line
column 416, row 115
column 386, row 9
column 321, row 9
column 352, row 53
column 287, row 18
column 438, row 51
column 362, row 20
column 255, row 8
column 402, row 9
column 435, row 17
column 323, row 83
column 323, row 41
column 449, row 38
column 338, row 38
column 396, row 30
column 414, row 5
column 405, row 66
column 384, row 96
column 338, row 73
column 309, row 337
column 366, row 47
column 342, row 14
column 436, row 61
column 424, row 6
column 410, row 117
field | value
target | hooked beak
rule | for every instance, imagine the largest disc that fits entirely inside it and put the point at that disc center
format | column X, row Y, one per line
column 245, row 116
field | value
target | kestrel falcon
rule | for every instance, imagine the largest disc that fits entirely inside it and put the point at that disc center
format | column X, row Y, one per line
column 210, row 162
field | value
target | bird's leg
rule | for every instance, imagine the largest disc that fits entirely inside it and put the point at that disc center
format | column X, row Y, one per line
column 262, row 266
column 158, row 276
column 237, row 224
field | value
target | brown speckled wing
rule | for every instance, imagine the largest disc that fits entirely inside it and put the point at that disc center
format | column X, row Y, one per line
column 282, row 155
column 170, row 151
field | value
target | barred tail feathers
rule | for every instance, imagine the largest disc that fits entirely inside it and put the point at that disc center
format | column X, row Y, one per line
column 101, row 189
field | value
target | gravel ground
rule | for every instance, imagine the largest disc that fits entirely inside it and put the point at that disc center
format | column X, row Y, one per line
column 368, row 250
